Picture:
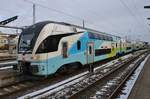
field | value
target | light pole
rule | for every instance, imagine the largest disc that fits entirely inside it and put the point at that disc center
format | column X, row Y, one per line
column 33, row 13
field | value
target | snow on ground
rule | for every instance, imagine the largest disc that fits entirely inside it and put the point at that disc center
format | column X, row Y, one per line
column 129, row 85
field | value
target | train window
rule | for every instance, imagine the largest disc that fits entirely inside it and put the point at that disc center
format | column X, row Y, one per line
column 50, row 44
column 100, row 36
column 4, row 41
column 128, row 48
column 92, row 35
column 105, row 38
column 99, row 52
column 78, row 45
column 96, row 36
column 111, row 38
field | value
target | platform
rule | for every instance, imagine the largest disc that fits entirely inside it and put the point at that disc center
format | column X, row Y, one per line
column 141, row 89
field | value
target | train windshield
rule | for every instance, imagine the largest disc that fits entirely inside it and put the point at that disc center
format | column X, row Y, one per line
column 28, row 37
column 26, row 40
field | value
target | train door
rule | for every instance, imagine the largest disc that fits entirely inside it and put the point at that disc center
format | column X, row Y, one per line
column 64, row 49
column 90, row 52
column 120, row 46
column 113, row 51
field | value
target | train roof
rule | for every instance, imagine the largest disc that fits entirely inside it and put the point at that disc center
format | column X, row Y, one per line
column 75, row 26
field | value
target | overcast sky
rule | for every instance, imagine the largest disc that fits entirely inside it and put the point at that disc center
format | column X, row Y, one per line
column 119, row 17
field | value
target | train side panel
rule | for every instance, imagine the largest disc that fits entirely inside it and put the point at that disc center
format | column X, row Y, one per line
column 102, row 50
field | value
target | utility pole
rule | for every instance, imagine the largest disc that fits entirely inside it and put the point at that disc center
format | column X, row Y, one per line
column 33, row 13
column 83, row 24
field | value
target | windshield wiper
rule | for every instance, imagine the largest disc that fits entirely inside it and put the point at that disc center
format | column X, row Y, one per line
column 24, row 42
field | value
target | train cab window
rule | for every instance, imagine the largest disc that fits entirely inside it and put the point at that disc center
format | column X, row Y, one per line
column 50, row 44
column 78, row 45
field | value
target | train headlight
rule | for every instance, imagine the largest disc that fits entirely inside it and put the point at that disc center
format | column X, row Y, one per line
column 35, row 57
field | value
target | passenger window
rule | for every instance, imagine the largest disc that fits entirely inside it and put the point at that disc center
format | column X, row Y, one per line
column 78, row 45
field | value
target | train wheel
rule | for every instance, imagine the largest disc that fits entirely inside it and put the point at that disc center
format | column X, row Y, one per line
column 62, row 70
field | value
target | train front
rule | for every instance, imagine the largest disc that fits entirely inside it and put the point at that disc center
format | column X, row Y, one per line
column 26, row 45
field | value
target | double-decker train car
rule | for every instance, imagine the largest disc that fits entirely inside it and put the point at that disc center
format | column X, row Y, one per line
column 138, row 45
column 48, row 46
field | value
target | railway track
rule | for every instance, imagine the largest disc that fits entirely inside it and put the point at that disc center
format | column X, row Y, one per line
column 56, row 83
column 7, row 58
column 7, row 90
column 6, row 64
column 71, row 88
column 132, row 67
column 22, row 85
column 54, row 79
column 109, row 85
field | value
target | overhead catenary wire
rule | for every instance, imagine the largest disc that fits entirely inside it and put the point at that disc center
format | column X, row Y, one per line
column 98, row 15
column 131, row 13
column 64, row 13
column 55, row 10
column 140, row 15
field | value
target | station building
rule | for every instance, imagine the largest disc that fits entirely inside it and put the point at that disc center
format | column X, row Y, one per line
column 8, row 42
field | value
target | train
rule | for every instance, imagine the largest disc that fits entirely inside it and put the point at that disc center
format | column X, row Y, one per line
column 46, row 47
